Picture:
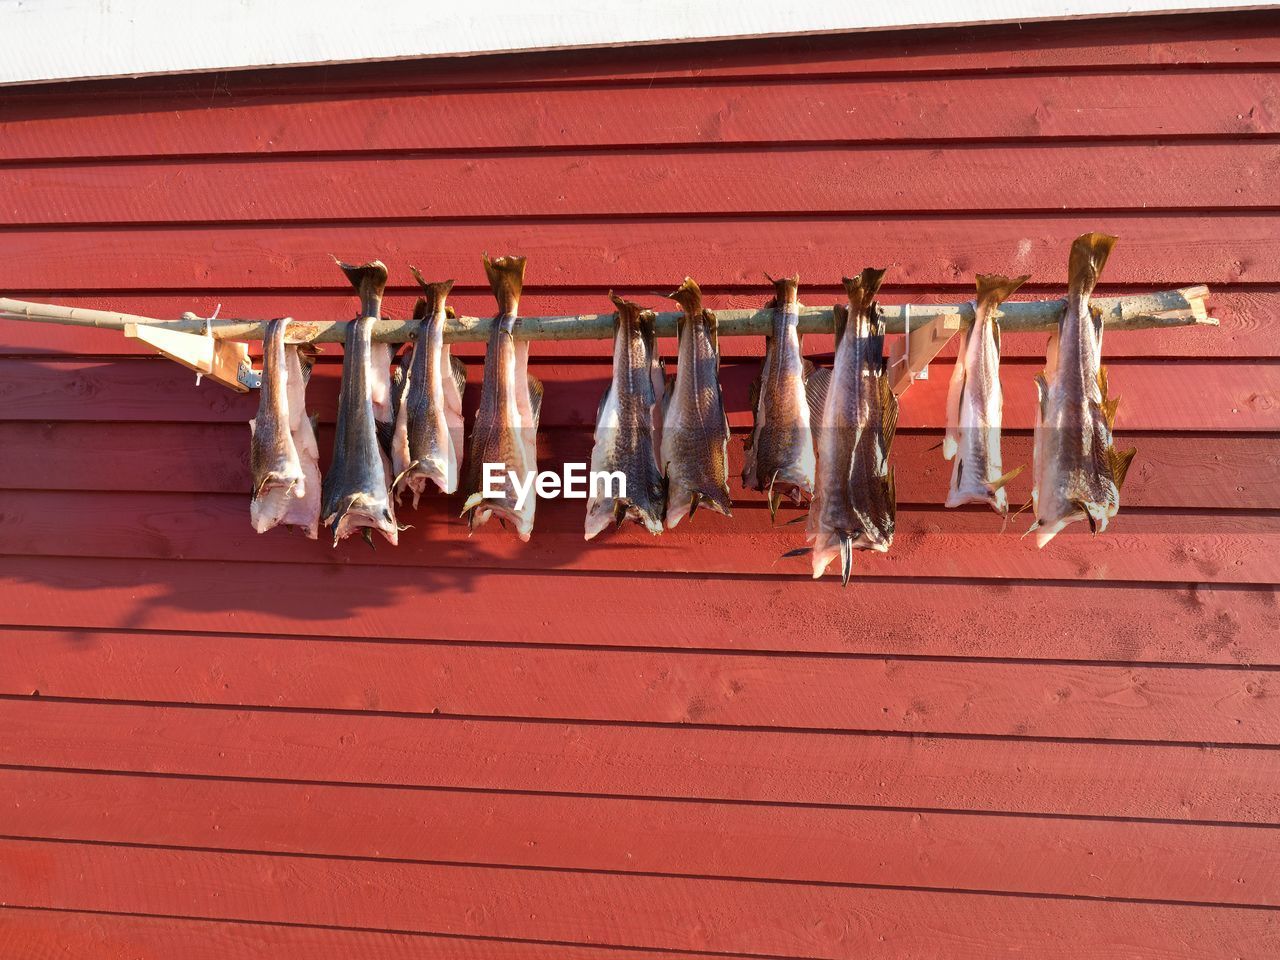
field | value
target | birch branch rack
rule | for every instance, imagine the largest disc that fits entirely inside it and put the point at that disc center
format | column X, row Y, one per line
column 216, row 347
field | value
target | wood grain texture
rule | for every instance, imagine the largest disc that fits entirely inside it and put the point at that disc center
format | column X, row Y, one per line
column 1202, row 396
column 644, row 748
column 938, row 696
column 1076, row 857
column 1158, row 251
column 1154, row 44
column 1152, row 547
column 793, row 920
column 1198, row 622
column 659, row 182
column 42, row 934
column 1174, row 470
column 1228, row 103
column 1243, row 316
column 1217, row 784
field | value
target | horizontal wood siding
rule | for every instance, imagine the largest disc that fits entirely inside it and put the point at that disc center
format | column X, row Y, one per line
column 220, row 746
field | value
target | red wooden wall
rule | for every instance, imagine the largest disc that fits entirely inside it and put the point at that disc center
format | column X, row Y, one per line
column 219, row 745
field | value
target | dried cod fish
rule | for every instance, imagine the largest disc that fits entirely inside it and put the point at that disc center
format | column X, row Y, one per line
column 975, row 405
column 356, row 492
column 1078, row 471
column 624, row 437
column 506, row 427
column 695, row 430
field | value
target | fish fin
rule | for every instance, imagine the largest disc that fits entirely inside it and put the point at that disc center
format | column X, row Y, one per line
column 753, row 400
column 713, row 334
column 1003, row 479
column 803, row 518
column 815, row 391
column 535, row 399
column 1120, row 465
column 450, row 313
column 370, row 281
column 1109, row 408
column 1042, row 392
column 604, row 398
column 1089, row 255
column 689, row 296
column 1095, row 314
column 807, row 367
column 797, row 552
column 366, row 534
column 459, row 370
column 934, row 447
column 995, row 334
column 420, row 308
column 888, row 414
column 846, row 559
column 435, row 291
column 473, row 501
column 839, row 321
column 506, row 280
column 891, row 496
column 863, row 288
column 785, row 290
column 994, row 289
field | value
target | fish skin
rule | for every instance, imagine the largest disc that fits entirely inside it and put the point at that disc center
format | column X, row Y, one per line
column 506, row 424
column 975, row 404
column 780, row 454
column 356, row 492
column 278, row 476
column 427, row 440
column 695, row 430
column 624, row 435
column 303, row 512
column 1077, row 470
column 854, row 503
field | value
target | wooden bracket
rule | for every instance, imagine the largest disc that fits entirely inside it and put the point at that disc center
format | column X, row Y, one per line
column 926, row 343
column 225, row 361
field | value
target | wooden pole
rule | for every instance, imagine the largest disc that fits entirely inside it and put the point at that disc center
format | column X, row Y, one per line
column 1167, row 308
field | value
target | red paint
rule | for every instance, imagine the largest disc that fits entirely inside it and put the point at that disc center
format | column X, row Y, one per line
column 473, row 748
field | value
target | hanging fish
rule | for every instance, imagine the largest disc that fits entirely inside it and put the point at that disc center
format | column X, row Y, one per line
column 695, row 430
column 854, row 503
column 506, row 427
column 426, row 444
column 356, row 493
column 278, row 476
column 780, row 452
column 624, row 438
column 1078, row 471
column 975, row 404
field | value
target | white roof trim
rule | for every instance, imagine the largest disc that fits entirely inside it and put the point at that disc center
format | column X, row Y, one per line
column 74, row 39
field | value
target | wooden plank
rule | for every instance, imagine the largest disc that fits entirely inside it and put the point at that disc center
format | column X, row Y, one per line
column 1102, row 177
column 1134, row 44
column 1166, row 781
column 938, row 696
column 1242, row 315
column 1024, row 108
column 1138, row 546
column 794, row 920
column 1060, row 856
column 1204, row 396
column 1176, row 470
column 44, row 934
column 1199, row 623
column 1157, row 251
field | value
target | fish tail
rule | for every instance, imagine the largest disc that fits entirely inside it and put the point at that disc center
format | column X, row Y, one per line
column 994, row 289
column 506, row 280
column 863, row 288
column 689, row 296
column 628, row 310
column 1089, row 255
column 787, row 290
column 370, row 281
column 434, row 293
